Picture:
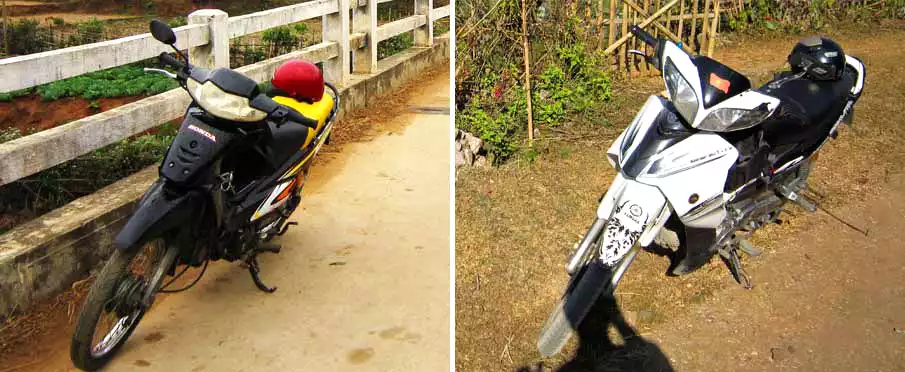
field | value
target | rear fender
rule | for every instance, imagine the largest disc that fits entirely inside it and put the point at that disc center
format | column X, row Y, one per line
column 159, row 210
column 638, row 213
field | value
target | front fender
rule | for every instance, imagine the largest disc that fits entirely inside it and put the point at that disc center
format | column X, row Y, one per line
column 159, row 210
column 635, row 212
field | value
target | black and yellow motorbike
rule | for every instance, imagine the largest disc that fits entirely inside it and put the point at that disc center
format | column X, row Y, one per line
column 228, row 184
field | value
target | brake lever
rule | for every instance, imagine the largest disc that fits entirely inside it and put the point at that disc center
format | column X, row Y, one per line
column 647, row 58
column 162, row 72
column 638, row 52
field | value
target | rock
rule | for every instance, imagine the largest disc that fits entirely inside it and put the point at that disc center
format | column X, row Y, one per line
column 474, row 143
column 460, row 159
column 458, row 146
column 480, row 162
column 778, row 354
column 469, row 156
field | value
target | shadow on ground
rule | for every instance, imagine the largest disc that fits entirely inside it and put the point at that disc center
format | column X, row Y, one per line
column 597, row 352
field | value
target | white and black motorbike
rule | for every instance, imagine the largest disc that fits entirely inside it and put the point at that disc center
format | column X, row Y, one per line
column 707, row 166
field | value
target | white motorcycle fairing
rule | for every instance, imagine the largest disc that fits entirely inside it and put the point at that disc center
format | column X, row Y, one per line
column 685, row 174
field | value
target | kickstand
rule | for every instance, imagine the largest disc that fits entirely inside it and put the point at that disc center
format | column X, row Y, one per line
column 735, row 268
column 254, row 269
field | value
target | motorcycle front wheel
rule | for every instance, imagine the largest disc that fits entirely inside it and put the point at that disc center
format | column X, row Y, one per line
column 115, row 303
column 581, row 294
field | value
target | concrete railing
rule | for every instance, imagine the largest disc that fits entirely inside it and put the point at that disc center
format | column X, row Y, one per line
column 348, row 46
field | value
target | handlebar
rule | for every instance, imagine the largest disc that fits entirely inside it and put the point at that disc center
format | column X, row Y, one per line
column 169, row 60
column 644, row 36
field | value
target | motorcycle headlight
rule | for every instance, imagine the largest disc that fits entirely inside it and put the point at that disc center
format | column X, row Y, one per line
column 730, row 119
column 680, row 92
column 223, row 105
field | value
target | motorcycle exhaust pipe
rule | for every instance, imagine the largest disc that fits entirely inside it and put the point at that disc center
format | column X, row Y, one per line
column 580, row 254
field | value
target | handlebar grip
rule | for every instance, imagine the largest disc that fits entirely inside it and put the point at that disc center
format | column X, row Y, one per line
column 167, row 59
column 301, row 119
column 643, row 35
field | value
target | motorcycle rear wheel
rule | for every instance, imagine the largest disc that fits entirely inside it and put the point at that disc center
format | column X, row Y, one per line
column 583, row 291
column 114, row 299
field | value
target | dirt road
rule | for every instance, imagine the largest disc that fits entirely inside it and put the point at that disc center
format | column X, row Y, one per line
column 363, row 281
column 831, row 301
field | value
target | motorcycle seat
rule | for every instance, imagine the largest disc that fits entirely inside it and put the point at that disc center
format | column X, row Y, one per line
column 319, row 111
column 807, row 108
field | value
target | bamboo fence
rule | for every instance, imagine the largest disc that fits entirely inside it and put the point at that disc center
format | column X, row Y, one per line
column 694, row 23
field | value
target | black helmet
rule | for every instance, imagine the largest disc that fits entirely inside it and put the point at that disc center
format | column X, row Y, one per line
column 820, row 58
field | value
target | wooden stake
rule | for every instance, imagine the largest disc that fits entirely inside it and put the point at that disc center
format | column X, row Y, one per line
column 622, row 55
column 527, row 53
column 5, row 29
column 704, row 27
column 716, row 23
column 611, row 37
column 694, row 23
column 681, row 20
column 642, row 46
column 600, row 23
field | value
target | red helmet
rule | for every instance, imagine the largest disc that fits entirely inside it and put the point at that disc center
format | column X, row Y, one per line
column 301, row 80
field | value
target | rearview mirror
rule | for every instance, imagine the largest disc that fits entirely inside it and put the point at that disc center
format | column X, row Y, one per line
column 162, row 32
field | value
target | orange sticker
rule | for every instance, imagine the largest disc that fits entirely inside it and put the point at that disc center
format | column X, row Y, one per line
column 719, row 83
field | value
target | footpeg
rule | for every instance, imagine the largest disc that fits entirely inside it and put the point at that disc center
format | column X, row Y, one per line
column 268, row 247
column 748, row 248
column 797, row 198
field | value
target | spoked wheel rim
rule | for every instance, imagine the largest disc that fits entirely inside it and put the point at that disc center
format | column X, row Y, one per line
column 123, row 310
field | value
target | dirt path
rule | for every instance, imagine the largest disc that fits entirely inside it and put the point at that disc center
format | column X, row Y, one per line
column 829, row 301
column 363, row 280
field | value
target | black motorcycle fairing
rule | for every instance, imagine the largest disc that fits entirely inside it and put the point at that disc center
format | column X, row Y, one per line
column 195, row 147
column 233, row 82
column 160, row 209
column 718, row 81
column 698, row 245
column 668, row 129
column 285, row 141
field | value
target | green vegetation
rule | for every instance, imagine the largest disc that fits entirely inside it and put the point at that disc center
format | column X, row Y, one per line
column 28, row 36
column 6, row 97
column 395, row 44
column 570, row 83
column 123, row 81
column 115, row 82
column 797, row 16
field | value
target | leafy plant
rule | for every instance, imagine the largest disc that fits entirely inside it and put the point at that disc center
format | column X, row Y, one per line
column 395, row 44
column 7, row 97
column 115, row 82
column 177, row 21
column 9, row 134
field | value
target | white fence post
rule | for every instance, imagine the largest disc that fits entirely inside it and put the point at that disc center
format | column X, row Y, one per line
column 216, row 53
column 336, row 29
column 424, row 35
column 364, row 19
